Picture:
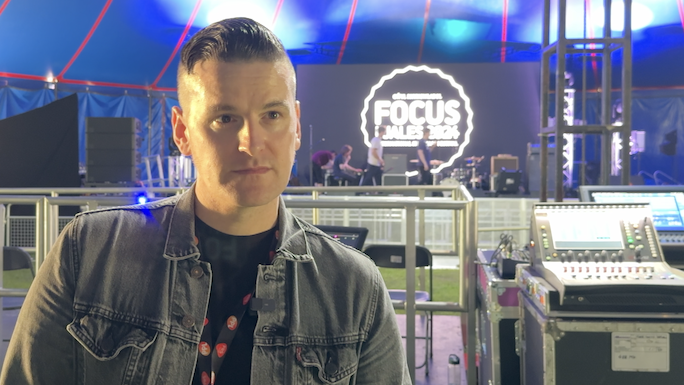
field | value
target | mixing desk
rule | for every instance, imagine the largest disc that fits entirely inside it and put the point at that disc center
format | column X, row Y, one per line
column 599, row 257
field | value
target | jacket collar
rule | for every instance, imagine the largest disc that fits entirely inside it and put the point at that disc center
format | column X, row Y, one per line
column 181, row 243
column 293, row 243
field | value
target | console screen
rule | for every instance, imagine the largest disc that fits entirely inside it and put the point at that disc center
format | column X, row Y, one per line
column 667, row 208
column 585, row 230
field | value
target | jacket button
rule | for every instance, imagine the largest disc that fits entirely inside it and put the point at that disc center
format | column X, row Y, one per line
column 330, row 368
column 196, row 272
column 188, row 321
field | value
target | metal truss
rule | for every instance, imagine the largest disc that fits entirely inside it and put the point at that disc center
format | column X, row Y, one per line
column 602, row 48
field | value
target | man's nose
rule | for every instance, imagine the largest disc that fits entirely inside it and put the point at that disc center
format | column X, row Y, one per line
column 251, row 138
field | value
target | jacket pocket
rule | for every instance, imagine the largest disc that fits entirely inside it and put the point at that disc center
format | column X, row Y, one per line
column 331, row 364
column 105, row 338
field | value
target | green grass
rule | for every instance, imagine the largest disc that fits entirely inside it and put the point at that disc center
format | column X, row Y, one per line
column 17, row 279
column 445, row 287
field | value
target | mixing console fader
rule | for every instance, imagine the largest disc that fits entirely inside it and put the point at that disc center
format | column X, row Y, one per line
column 600, row 257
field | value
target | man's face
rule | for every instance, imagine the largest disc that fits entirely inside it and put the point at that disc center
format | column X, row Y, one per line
column 240, row 123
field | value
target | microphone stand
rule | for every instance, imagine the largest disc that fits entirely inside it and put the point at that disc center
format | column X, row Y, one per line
column 311, row 147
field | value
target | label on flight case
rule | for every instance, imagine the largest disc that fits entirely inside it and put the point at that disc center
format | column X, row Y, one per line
column 640, row 352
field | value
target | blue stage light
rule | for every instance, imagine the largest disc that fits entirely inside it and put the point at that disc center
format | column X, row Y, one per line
column 142, row 199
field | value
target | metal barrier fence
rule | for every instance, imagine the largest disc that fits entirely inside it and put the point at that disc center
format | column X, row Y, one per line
column 455, row 232
column 495, row 215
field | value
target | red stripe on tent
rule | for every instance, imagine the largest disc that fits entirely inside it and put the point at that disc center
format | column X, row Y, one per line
column 104, row 84
column 277, row 12
column 504, row 30
column 21, row 76
column 85, row 41
column 179, row 43
column 680, row 5
column 165, row 89
column 422, row 35
column 346, row 33
column 3, row 6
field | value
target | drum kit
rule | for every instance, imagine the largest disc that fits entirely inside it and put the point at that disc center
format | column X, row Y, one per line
column 467, row 174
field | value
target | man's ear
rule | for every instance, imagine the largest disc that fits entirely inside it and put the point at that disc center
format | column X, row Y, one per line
column 181, row 134
column 298, row 140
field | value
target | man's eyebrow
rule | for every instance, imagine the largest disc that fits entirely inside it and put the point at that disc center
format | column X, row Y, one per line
column 229, row 108
column 276, row 103
column 222, row 107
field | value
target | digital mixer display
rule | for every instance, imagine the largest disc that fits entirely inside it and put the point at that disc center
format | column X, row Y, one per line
column 667, row 207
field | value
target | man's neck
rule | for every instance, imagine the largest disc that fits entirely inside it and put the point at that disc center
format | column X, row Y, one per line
column 235, row 220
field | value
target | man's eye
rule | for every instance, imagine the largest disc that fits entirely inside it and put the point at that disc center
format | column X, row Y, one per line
column 273, row 115
column 224, row 119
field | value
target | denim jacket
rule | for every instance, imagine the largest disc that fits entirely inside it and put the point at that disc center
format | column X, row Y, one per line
column 122, row 296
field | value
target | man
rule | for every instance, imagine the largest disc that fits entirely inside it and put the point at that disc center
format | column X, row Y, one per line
column 373, row 174
column 162, row 293
column 341, row 168
column 321, row 160
column 424, row 158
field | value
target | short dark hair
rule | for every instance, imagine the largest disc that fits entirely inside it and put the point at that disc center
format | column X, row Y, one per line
column 344, row 150
column 231, row 40
column 382, row 129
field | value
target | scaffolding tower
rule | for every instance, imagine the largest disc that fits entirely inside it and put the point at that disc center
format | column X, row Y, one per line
column 602, row 47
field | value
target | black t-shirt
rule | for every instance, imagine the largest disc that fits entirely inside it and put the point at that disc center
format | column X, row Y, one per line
column 234, row 263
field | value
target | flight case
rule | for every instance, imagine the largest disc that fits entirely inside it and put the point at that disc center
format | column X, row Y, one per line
column 497, row 313
column 616, row 351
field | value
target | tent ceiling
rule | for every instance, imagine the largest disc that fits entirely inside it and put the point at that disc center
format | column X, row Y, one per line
column 133, row 43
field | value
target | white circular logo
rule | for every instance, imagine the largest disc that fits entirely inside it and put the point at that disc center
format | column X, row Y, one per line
column 415, row 98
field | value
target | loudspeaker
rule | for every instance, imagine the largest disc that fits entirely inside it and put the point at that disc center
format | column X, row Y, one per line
column 507, row 161
column 534, row 168
column 394, row 180
column 112, row 154
column 394, row 163
column 507, row 182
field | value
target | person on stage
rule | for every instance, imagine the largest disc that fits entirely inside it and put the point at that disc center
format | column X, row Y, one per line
column 373, row 175
column 424, row 158
column 321, row 160
column 343, row 170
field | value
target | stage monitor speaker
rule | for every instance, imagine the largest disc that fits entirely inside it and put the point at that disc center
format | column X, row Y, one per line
column 112, row 154
column 394, row 179
column 507, row 182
